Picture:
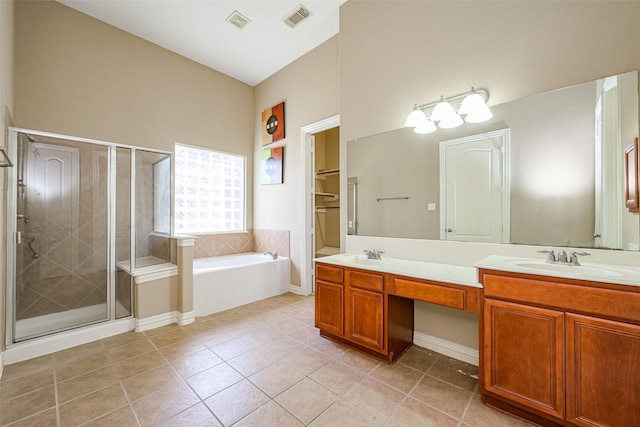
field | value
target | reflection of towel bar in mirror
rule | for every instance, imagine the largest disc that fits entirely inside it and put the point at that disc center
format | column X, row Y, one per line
column 393, row 198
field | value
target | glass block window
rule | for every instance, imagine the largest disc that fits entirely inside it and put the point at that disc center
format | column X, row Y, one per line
column 210, row 191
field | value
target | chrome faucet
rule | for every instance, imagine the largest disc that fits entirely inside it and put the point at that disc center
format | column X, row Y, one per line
column 562, row 257
column 373, row 254
column 273, row 255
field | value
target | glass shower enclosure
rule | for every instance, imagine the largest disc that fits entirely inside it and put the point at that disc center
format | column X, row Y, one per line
column 75, row 228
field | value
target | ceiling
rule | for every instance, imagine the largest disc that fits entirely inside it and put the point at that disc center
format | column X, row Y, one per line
column 197, row 29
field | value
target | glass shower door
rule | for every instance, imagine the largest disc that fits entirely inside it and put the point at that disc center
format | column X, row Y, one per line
column 61, row 258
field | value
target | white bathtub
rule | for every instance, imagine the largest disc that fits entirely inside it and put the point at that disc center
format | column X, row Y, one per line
column 221, row 283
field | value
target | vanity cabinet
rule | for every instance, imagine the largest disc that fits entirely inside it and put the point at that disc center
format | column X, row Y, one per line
column 560, row 351
column 603, row 369
column 364, row 309
column 353, row 308
column 330, row 299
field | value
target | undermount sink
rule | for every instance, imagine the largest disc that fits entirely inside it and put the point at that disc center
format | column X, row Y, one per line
column 592, row 270
column 359, row 259
column 578, row 270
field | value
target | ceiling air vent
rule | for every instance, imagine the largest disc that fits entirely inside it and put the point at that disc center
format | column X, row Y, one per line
column 296, row 16
column 238, row 19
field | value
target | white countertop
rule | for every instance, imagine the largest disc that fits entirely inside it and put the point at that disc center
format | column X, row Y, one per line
column 606, row 273
column 447, row 273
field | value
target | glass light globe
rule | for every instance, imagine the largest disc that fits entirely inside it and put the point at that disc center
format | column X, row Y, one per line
column 451, row 122
column 472, row 103
column 415, row 117
column 427, row 127
column 479, row 116
column 442, row 111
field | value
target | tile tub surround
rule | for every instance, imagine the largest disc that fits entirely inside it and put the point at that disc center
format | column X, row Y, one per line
column 209, row 245
column 259, row 364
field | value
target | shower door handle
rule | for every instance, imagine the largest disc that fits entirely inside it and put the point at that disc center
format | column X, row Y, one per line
column 18, row 238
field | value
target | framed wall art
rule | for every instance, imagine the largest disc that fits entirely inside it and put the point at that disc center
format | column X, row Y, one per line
column 271, row 165
column 273, row 124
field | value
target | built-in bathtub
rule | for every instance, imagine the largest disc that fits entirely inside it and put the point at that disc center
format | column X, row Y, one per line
column 221, row 283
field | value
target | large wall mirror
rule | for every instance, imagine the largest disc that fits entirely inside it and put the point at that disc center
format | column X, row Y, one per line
column 560, row 161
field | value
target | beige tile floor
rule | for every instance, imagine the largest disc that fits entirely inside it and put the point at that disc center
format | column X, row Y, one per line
column 262, row 364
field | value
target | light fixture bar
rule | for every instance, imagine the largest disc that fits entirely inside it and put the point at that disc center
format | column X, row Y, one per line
column 455, row 99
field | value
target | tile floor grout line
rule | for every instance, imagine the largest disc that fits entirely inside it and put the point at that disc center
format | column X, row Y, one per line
column 397, row 408
column 295, row 326
column 466, row 408
column 201, row 400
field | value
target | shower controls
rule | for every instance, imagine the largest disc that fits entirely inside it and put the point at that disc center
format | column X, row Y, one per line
column 35, row 254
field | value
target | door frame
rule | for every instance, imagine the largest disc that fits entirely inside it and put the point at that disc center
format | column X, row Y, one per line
column 503, row 135
column 306, row 198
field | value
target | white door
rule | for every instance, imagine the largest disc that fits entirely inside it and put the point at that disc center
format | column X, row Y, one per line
column 609, row 186
column 474, row 193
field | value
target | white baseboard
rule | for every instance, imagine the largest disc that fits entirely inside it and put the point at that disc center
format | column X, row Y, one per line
column 61, row 341
column 448, row 348
column 156, row 321
column 165, row 319
column 1, row 363
column 296, row 290
column 186, row 318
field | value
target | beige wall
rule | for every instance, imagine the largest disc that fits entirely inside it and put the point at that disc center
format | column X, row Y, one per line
column 78, row 76
column 309, row 87
column 6, row 111
column 513, row 49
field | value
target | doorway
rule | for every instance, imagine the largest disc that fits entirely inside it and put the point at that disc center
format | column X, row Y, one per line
column 326, row 153
column 308, row 196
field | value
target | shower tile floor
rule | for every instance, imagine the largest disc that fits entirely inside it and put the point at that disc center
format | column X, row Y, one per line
column 262, row 364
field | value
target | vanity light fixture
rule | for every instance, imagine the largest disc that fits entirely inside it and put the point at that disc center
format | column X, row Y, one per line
column 471, row 105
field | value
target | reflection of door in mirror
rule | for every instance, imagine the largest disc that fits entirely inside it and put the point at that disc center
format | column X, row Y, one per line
column 352, row 194
column 474, row 199
column 608, row 155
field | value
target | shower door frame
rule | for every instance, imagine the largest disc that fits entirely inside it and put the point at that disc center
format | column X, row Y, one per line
column 12, row 235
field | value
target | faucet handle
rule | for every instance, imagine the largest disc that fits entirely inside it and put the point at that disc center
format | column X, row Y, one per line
column 580, row 253
column 552, row 255
column 574, row 257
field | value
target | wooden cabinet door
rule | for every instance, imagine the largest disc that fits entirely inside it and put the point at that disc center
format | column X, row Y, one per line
column 365, row 318
column 330, row 307
column 603, row 372
column 523, row 355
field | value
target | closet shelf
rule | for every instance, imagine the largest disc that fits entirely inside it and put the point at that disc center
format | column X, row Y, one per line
column 328, row 197
column 327, row 251
column 326, row 172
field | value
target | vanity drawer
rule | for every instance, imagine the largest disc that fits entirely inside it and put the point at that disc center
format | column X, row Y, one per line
column 611, row 301
column 329, row 273
column 369, row 281
column 429, row 292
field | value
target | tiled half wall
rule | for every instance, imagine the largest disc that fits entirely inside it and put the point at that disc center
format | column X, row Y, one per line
column 236, row 243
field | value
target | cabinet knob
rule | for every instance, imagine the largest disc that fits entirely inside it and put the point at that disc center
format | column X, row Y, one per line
column 449, row 230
